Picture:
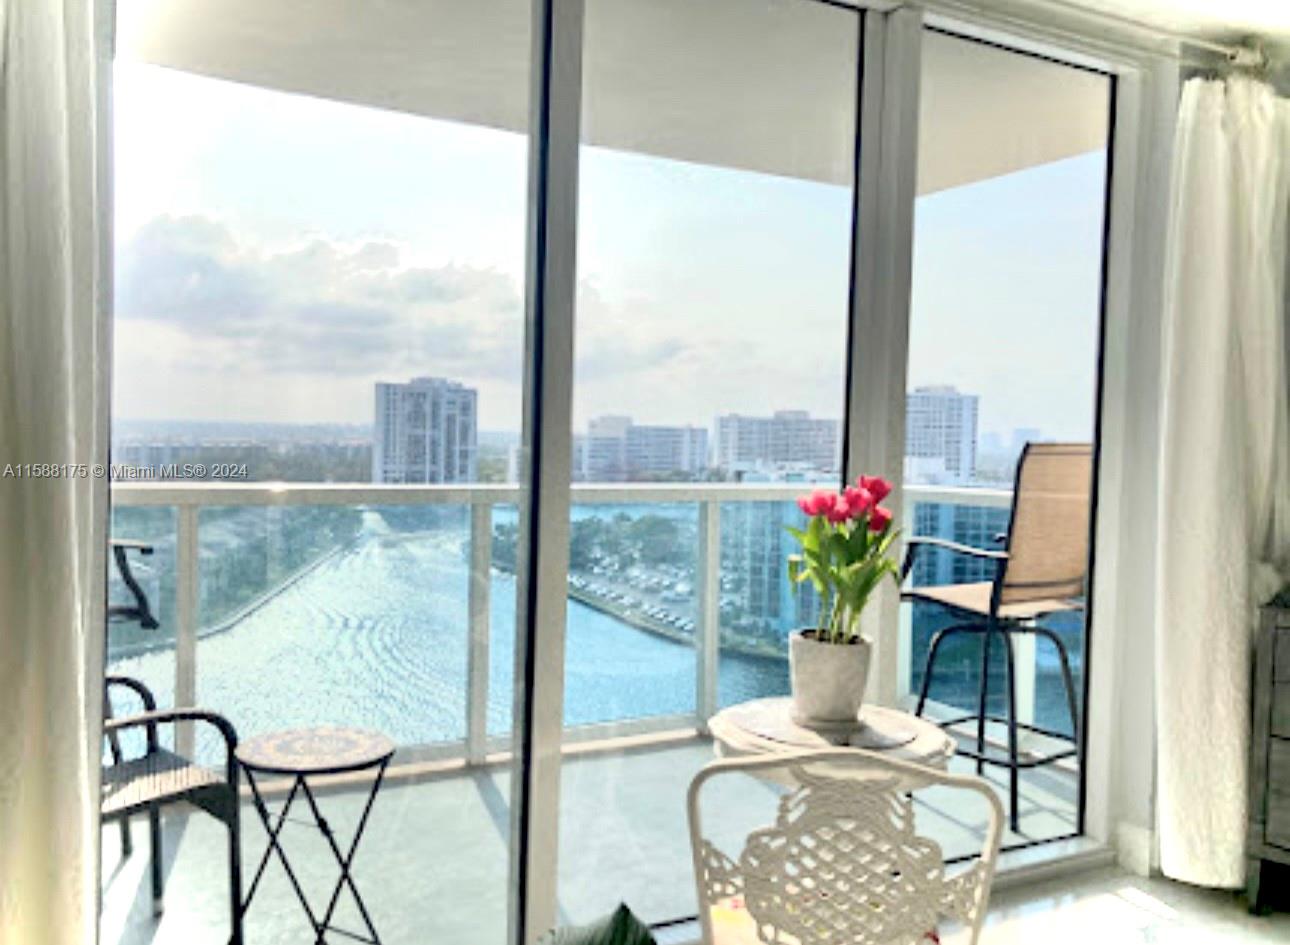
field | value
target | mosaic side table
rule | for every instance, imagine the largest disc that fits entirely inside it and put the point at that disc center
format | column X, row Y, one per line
column 301, row 754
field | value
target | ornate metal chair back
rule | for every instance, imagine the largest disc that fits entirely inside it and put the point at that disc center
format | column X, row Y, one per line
column 843, row 863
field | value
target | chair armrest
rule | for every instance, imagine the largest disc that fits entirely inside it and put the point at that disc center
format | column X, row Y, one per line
column 128, row 682
column 168, row 716
column 913, row 544
column 143, row 547
column 149, row 705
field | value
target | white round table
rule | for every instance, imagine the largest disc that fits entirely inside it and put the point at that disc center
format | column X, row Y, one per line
column 766, row 726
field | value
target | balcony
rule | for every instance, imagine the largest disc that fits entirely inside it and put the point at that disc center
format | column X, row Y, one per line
column 392, row 607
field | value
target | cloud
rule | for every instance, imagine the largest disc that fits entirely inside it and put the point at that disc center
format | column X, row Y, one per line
column 324, row 307
column 319, row 306
column 187, row 267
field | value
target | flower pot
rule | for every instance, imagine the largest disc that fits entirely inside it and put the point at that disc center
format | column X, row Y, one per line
column 828, row 679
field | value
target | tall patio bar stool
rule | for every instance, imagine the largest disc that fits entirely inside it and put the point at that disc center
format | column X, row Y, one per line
column 1041, row 571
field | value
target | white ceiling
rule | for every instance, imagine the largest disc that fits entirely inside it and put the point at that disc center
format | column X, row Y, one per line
column 766, row 86
column 1225, row 20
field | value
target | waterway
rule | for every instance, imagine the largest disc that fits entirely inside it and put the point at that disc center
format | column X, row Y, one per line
column 377, row 636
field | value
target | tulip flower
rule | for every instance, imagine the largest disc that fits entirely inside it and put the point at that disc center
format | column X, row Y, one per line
column 878, row 487
column 841, row 512
column 858, row 500
column 879, row 518
column 846, row 550
column 819, row 502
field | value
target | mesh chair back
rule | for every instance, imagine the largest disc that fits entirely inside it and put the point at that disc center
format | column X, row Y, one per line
column 1048, row 537
column 843, row 863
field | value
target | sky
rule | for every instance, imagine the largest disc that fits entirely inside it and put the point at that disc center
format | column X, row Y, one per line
column 278, row 254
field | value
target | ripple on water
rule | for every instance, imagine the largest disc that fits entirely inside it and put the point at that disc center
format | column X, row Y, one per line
column 377, row 637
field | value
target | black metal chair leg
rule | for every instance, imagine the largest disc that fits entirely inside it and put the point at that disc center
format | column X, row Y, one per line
column 235, row 876
column 158, row 881
column 937, row 639
column 985, row 695
column 127, row 841
column 1068, row 680
column 1014, row 819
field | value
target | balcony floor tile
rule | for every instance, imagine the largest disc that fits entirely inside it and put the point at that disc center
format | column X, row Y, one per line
column 432, row 865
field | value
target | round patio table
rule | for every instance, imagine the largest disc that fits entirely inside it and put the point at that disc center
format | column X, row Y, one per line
column 766, row 726
column 301, row 754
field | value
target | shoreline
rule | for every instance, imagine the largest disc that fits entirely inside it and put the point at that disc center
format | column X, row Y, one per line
column 241, row 613
column 659, row 629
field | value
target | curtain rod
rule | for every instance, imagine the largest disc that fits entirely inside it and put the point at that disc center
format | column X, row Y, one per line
column 1250, row 55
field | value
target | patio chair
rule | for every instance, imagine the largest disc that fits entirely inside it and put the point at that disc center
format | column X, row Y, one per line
column 160, row 777
column 1041, row 571
column 843, row 863
column 139, row 610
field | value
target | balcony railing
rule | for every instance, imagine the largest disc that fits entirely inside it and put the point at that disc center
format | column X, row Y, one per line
column 188, row 499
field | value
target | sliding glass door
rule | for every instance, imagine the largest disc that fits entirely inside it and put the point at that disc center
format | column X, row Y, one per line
column 716, row 194
column 320, row 278
column 471, row 409
column 1004, row 351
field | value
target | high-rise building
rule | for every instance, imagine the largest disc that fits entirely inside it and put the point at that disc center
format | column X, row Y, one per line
column 762, row 604
column 604, row 449
column 615, row 449
column 940, row 435
column 655, row 450
column 788, row 438
column 425, row 431
column 976, row 526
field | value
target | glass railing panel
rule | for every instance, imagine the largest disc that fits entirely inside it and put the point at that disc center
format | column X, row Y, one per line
column 504, row 524
column 340, row 615
column 630, row 643
column 957, row 679
column 133, row 650
column 758, row 605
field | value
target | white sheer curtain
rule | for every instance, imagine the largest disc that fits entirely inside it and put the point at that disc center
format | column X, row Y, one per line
column 53, row 398
column 1223, row 535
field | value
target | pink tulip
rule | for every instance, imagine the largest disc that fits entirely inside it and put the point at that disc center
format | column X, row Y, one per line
column 858, row 500
column 876, row 486
column 879, row 519
column 840, row 512
column 819, row 502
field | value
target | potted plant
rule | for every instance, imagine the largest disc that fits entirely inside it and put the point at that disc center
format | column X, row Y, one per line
column 846, row 551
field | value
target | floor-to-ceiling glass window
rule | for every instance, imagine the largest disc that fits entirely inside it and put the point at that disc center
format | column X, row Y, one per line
column 319, row 343
column 320, row 251
column 1005, row 330
column 714, row 254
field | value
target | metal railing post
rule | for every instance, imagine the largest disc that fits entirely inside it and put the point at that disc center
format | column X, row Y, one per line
column 905, row 620
column 477, row 662
column 1025, row 653
column 708, row 600
column 186, row 605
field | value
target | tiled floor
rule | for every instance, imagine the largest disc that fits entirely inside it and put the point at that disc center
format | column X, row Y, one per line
column 433, row 863
column 433, row 866
column 1109, row 907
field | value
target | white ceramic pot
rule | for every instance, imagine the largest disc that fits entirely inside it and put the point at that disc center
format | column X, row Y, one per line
column 828, row 679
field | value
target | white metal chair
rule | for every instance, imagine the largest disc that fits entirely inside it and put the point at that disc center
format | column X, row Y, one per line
column 843, row 863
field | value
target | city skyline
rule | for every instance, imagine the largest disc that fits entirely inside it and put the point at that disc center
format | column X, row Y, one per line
column 425, row 431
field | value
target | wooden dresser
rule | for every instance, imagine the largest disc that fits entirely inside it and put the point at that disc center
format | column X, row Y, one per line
column 1269, row 838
